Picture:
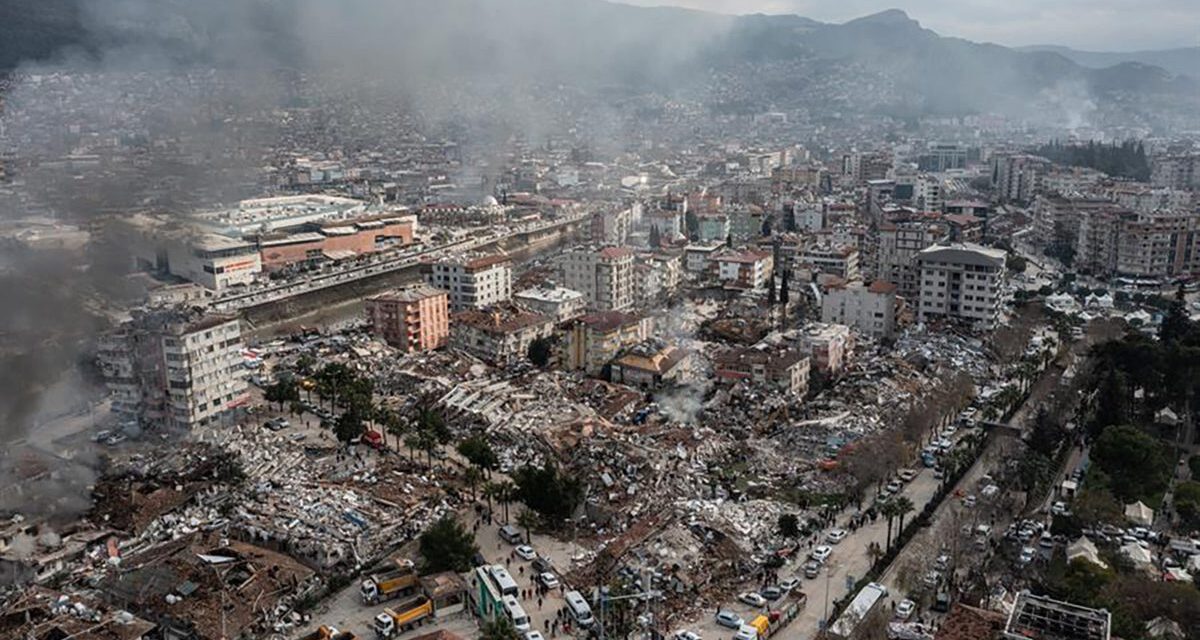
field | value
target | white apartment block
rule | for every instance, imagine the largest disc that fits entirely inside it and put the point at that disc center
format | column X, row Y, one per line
column 554, row 302
column 175, row 369
column 604, row 276
column 473, row 283
column 963, row 281
column 896, row 250
column 869, row 309
column 840, row 261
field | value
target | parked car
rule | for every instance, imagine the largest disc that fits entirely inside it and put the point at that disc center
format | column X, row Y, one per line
column 821, row 553
column 526, row 552
column 1026, row 556
column 932, row 579
column 534, row 634
column 790, row 584
column 969, row 501
column 729, row 619
column 541, row 565
column 905, row 609
column 548, row 580
column 772, row 593
column 836, row 536
column 907, row 475
column 684, row 634
column 753, row 599
column 894, row 486
column 746, row 632
column 812, row 569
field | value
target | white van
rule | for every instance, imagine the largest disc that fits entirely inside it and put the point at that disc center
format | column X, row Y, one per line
column 580, row 611
column 516, row 614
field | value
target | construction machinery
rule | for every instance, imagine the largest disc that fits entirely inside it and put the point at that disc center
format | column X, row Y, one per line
column 398, row 580
column 404, row 616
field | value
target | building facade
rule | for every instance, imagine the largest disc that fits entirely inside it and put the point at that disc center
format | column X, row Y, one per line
column 472, row 283
column 963, row 282
column 500, row 335
column 869, row 309
column 415, row 318
column 593, row 340
column 604, row 276
column 559, row 303
column 175, row 369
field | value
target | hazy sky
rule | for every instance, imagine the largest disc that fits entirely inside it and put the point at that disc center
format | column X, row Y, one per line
column 1095, row 25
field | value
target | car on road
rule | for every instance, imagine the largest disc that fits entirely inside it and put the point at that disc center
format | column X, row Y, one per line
column 821, row 553
column 836, row 536
column 534, row 634
column 790, row 584
column 684, row 634
column 115, row 439
column 753, row 599
column 1059, row 508
column 894, row 486
column 729, row 619
column 548, row 580
column 540, row 565
column 1026, row 556
column 907, row 475
column 942, row 562
column 525, row 552
column 772, row 593
column 969, row 501
column 101, row 435
column 812, row 569
column 905, row 609
column 932, row 579
column 938, row 473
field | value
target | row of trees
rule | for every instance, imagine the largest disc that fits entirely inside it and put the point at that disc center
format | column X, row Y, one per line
column 1125, row 160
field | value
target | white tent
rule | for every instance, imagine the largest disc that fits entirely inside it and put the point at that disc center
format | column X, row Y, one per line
column 1140, row 557
column 1139, row 514
column 1086, row 549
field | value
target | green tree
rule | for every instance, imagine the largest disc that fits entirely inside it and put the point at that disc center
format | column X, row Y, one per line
column 478, row 452
column 499, row 628
column 348, row 426
column 1187, row 504
column 788, row 525
column 655, row 237
column 1046, row 435
column 889, row 511
column 549, row 492
column 528, row 520
column 472, row 476
column 283, row 391
column 540, row 351
column 1112, row 405
column 490, row 491
column 903, row 507
column 1136, row 463
column 447, row 546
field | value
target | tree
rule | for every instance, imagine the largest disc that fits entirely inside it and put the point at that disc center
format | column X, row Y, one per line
column 478, row 452
column 284, row 390
column 729, row 240
column 472, row 476
column 499, row 628
column 349, row 426
column 655, row 237
column 528, row 520
column 1136, row 463
column 1046, row 435
column 1187, row 504
column 771, row 297
column 1112, row 406
column 789, row 525
column 447, row 546
column 546, row 490
column 491, row 491
column 888, row 511
column 1175, row 324
column 783, row 291
column 393, row 424
column 540, row 351
column 506, row 494
column 903, row 506
column 1017, row 263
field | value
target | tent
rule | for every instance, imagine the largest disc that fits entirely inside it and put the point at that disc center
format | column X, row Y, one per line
column 1140, row 557
column 1139, row 514
column 1086, row 549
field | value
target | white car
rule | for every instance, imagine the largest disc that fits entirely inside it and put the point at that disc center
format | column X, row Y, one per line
column 534, row 635
column 549, row 580
column 907, row 475
column 905, row 609
column 1026, row 555
column 684, row 634
column 821, row 553
column 526, row 552
column 753, row 599
column 746, row 632
column 790, row 584
column 836, row 536
column 894, row 486
column 969, row 501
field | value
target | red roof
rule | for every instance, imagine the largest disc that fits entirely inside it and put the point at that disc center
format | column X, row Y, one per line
column 882, row 286
column 615, row 252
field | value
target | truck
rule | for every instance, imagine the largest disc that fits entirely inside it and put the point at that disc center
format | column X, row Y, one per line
column 399, row 580
column 325, row 632
column 404, row 616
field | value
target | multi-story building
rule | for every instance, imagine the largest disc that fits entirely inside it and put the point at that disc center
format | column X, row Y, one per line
column 941, row 157
column 1148, row 200
column 1056, row 218
column 1176, row 170
column 593, row 340
column 698, row 257
column 500, row 335
column 869, row 309
column 652, row 365
column 175, row 369
column 604, row 276
column 829, row 346
column 416, row 318
column 961, row 281
column 213, row 261
column 1158, row 245
column 1096, row 235
column 928, row 194
column 1017, row 177
column 559, row 303
column 764, row 364
column 472, row 283
column 712, row 227
column 612, row 226
column 840, row 261
column 897, row 246
column 669, row 223
column 656, row 277
column 746, row 221
column 747, row 269
column 1042, row 618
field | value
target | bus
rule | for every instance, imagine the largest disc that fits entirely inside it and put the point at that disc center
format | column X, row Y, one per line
column 503, row 580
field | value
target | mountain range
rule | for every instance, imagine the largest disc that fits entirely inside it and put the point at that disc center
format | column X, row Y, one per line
column 599, row 43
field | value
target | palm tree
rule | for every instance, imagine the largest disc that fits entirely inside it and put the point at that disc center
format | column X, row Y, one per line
column 472, row 476
column 874, row 552
column 889, row 511
column 392, row 424
column 528, row 520
column 490, row 490
column 903, row 506
column 506, row 494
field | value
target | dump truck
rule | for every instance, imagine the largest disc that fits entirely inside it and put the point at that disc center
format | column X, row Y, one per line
column 399, row 580
column 404, row 616
column 325, row 632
